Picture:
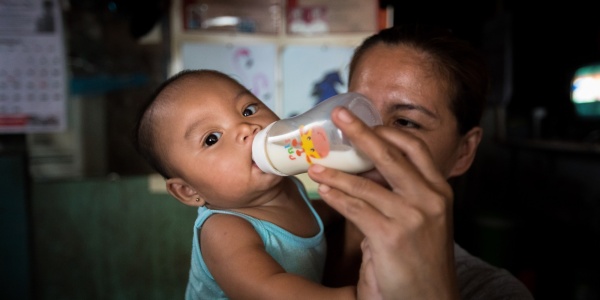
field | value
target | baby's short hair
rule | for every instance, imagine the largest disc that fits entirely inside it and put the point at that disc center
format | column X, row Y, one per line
column 144, row 135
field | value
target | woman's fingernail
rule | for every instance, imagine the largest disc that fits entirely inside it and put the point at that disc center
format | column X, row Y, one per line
column 345, row 116
column 324, row 188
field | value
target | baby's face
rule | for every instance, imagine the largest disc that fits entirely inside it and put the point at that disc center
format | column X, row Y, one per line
column 207, row 129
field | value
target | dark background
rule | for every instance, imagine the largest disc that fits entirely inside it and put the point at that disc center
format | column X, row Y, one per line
column 531, row 202
column 549, row 42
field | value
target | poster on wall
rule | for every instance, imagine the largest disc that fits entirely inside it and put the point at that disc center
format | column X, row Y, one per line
column 252, row 65
column 312, row 74
column 32, row 67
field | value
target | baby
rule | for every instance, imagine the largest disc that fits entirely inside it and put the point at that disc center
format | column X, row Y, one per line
column 257, row 235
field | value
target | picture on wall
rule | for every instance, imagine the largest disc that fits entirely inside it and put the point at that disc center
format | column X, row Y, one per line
column 312, row 74
column 252, row 65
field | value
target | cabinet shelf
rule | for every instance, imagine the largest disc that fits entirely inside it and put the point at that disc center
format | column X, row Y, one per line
column 279, row 67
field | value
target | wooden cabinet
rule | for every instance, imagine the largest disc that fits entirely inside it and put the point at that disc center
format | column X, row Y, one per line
column 291, row 54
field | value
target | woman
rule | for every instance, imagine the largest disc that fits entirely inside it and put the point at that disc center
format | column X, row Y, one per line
column 430, row 89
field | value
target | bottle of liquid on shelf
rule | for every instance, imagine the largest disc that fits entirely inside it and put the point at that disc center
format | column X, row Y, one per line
column 289, row 146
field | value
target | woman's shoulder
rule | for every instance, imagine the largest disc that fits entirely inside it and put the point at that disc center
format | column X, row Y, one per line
column 478, row 279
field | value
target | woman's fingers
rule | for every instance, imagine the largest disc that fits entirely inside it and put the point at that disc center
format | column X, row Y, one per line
column 397, row 156
column 381, row 152
column 345, row 193
column 407, row 224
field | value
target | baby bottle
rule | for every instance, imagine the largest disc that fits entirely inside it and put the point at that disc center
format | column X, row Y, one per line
column 289, row 146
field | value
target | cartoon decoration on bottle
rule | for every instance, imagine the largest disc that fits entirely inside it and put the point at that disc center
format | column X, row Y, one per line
column 313, row 144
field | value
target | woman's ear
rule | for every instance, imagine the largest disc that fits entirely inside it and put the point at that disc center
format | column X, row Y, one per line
column 466, row 152
column 183, row 192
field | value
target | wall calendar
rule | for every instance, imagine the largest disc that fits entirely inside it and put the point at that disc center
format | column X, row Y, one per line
column 32, row 67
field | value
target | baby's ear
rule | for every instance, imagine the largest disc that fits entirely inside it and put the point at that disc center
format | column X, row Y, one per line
column 183, row 192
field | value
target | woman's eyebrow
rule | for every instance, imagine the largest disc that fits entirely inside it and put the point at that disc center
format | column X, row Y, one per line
column 409, row 106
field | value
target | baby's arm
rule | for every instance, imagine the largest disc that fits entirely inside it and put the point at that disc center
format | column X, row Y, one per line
column 237, row 259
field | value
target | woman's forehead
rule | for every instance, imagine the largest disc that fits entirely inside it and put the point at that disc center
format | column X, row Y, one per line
column 399, row 75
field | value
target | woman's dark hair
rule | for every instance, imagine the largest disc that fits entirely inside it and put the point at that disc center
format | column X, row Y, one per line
column 455, row 59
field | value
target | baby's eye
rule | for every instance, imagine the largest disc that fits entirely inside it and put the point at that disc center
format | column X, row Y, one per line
column 212, row 138
column 250, row 110
column 406, row 123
